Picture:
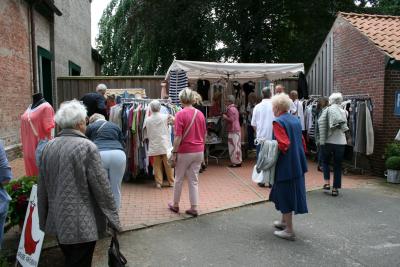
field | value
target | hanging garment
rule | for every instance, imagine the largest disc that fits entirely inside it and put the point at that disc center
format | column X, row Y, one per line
column 361, row 138
column 36, row 124
column 369, row 132
column 178, row 80
column 203, row 86
column 302, row 88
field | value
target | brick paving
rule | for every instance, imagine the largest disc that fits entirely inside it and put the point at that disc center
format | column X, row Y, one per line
column 220, row 188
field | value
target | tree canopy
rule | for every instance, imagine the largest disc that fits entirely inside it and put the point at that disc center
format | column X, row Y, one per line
column 142, row 37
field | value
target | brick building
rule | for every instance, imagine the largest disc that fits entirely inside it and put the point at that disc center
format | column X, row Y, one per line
column 361, row 55
column 39, row 41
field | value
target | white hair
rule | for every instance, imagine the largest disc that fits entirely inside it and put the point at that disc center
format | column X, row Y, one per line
column 95, row 117
column 230, row 98
column 186, row 96
column 281, row 101
column 70, row 114
column 155, row 106
column 336, row 98
column 101, row 87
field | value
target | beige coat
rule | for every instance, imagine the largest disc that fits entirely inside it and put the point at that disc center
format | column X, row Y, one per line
column 74, row 193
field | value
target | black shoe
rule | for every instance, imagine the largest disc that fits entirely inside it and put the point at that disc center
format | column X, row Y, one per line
column 261, row 184
column 335, row 192
column 235, row 165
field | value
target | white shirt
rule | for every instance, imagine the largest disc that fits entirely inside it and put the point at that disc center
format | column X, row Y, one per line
column 158, row 133
column 262, row 119
column 296, row 108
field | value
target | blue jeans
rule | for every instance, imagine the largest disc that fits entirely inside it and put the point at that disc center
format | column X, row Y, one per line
column 250, row 137
column 337, row 151
column 3, row 217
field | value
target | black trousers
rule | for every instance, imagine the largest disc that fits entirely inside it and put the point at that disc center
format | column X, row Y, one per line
column 78, row 254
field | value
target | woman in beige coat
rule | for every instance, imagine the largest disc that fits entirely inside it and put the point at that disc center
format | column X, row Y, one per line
column 74, row 194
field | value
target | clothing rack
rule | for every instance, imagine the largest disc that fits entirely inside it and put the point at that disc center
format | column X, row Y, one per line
column 143, row 100
column 357, row 97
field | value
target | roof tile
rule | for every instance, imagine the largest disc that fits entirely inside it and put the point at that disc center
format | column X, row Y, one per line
column 384, row 31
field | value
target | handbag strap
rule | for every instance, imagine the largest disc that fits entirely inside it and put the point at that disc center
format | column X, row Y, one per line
column 98, row 130
column 190, row 125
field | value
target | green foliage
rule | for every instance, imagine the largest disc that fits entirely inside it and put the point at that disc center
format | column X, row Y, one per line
column 3, row 261
column 138, row 37
column 19, row 190
column 393, row 163
column 392, row 149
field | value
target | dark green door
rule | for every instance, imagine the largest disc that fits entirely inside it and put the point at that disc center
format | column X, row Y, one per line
column 45, row 74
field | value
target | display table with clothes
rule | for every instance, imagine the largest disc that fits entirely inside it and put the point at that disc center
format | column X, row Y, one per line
column 37, row 123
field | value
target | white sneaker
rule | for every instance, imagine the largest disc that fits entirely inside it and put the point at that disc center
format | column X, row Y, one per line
column 285, row 235
column 279, row 225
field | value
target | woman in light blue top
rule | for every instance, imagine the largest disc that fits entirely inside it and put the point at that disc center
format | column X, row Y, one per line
column 5, row 177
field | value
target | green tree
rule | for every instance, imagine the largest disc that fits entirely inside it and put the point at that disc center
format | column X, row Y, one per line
column 144, row 36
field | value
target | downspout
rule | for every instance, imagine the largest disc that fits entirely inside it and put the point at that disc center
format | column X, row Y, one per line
column 33, row 47
column 53, row 65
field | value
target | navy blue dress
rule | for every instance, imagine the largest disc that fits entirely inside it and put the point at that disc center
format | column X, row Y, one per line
column 289, row 190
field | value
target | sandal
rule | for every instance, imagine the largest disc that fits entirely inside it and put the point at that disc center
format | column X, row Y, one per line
column 335, row 192
column 192, row 212
column 326, row 187
column 173, row 208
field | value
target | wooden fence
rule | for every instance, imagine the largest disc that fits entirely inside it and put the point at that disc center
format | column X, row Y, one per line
column 72, row 87
column 76, row 87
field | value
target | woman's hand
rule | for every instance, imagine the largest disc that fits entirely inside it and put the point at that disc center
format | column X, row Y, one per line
column 171, row 119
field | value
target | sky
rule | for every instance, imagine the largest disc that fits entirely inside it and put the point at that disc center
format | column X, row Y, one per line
column 97, row 10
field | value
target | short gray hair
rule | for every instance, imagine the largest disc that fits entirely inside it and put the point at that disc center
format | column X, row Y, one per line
column 282, row 102
column 230, row 98
column 95, row 117
column 70, row 114
column 266, row 92
column 101, row 87
column 336, row 98
column 155, row 106
column 186, row 96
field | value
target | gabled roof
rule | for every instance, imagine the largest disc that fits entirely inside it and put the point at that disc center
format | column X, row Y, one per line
column 383, row 31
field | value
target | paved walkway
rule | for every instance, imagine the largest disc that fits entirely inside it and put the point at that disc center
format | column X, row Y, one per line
column 220, row 188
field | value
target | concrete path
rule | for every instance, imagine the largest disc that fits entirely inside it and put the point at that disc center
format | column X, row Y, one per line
column 361, row 227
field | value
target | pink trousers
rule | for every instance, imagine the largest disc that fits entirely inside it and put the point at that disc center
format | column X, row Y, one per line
column 188, row 164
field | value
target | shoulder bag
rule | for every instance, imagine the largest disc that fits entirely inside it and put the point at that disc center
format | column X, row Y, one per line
column 171, row 162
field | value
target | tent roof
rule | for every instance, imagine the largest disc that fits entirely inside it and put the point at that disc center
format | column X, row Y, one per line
column 271, row 71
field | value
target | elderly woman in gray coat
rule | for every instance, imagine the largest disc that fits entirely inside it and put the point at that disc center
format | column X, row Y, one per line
column 74, row 194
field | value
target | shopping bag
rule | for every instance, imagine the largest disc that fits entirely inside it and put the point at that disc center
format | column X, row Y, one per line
column 170, row 155
column 257, row 177
column 115, row 257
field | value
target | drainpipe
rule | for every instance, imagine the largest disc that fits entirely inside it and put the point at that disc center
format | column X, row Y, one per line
column 33, row 47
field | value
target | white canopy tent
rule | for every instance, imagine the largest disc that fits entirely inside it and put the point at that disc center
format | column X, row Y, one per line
column 211, row 70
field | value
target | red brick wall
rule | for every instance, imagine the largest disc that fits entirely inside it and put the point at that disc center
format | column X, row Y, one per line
column 15, row 70
column 359, row 68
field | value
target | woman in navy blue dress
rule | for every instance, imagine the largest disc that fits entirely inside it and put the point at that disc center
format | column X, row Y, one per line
column 289, row 191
